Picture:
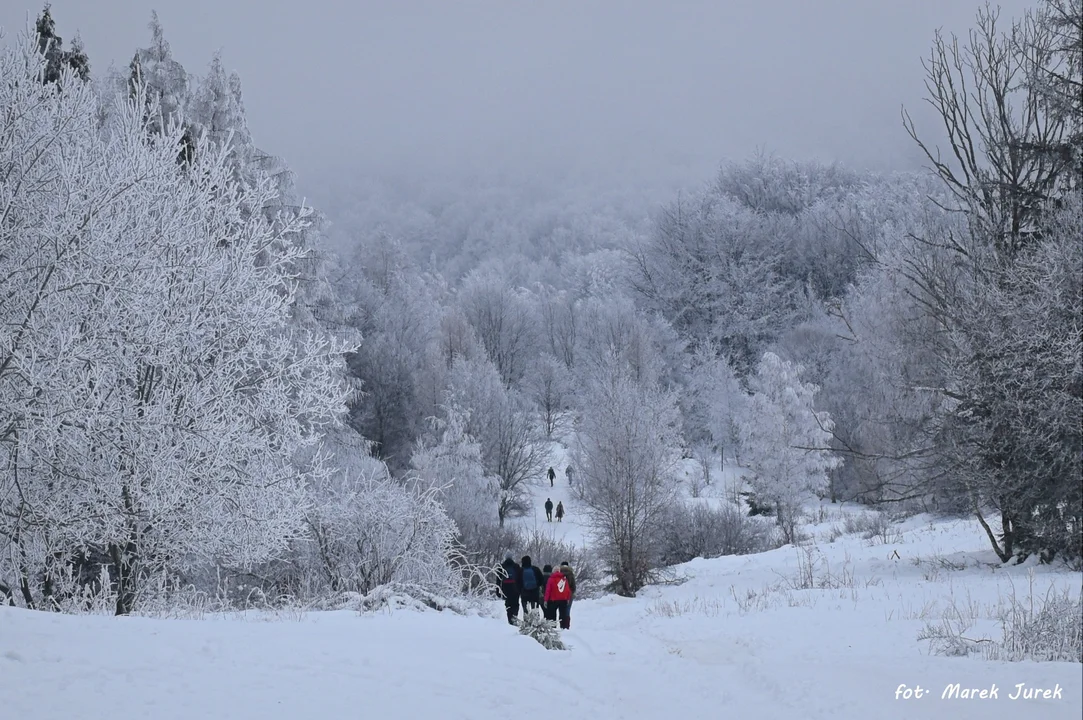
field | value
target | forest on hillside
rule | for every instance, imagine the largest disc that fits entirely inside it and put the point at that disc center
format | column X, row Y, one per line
column 208, row 386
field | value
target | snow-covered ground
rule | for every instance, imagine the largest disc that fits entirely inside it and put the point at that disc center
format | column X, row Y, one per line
column 739, row 638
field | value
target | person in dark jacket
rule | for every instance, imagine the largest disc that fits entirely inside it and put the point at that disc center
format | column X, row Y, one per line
column 570, row 574
column 569, row 472
column 548, row 510
column 549, row 611
column 560, row 512
column 552, row 475
column 510, row 584
column 531, row 585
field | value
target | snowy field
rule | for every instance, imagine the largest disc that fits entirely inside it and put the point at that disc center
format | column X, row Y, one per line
column 741, row 637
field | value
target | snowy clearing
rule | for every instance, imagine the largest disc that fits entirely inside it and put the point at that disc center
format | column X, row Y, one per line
column 739, row 636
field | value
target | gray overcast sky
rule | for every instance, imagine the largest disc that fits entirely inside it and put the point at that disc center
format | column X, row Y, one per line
column 624, row 85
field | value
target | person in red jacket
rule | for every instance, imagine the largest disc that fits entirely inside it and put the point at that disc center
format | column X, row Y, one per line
column 557, row 593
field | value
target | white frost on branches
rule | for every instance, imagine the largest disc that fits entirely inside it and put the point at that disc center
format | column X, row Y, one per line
column 784, row 441
column 453, row 467
column 152, row 390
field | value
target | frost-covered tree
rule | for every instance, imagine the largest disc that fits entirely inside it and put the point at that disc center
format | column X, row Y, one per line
column 394, row 312
column 216, row 111
column 626, row 453
column 560, row 326
column 1012, row 174
column 1057, row 77
column 457, row 338
column 503, row 321
column 1018, row 388
column 712, row 404
column 153, row 398
column 1000, row 128
column 714, row 269
column 51, row 46
column 453, row 465
column 165, row 87
column 768, row 184
column 549, row 385
column 503, row 423
column 785, row 441
column 613, row 330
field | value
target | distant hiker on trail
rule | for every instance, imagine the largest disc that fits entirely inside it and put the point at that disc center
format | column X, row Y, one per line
column 552, row 475
column 548, row 510
column 557, row 593
column 510, row 576
column 532, row 585
column 568, row 473
column 560, row 512
column 549, row 611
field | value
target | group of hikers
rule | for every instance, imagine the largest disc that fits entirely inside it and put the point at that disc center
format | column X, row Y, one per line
column 551, row 588
column 551, row 474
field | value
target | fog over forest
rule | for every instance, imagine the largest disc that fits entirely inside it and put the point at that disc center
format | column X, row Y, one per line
column 609, row 87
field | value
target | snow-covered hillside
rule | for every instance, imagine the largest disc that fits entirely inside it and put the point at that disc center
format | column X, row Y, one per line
column 741, row 637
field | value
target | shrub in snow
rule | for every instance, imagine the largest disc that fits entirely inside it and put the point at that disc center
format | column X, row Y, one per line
column 1050, row 629
column 703, row 531
column 1045, row 628
column 544, row 549
column 544, row 631
column 396, row 596
column 367, row 529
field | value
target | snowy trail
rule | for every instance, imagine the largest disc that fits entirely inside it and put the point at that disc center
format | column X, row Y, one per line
column 572, row 529
column 731, row 641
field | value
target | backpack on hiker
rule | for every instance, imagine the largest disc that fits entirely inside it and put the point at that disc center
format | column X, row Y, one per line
column 530, row 578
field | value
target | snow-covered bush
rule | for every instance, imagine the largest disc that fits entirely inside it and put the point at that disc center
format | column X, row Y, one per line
column 367, row 529
column 544, row 631
column 702, row 531
column 544, row 549
column 396, row 596
column 1039, row 628
column 1049, row 629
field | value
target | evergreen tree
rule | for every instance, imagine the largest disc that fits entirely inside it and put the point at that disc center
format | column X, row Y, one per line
column 51, row 46
column 544, row 631
column 784, row 440
column 165, row 86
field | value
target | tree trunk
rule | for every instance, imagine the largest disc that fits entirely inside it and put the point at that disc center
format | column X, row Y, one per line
column 124, row 562
column 24, row 585
column 1008, row 538
column 989, row 533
